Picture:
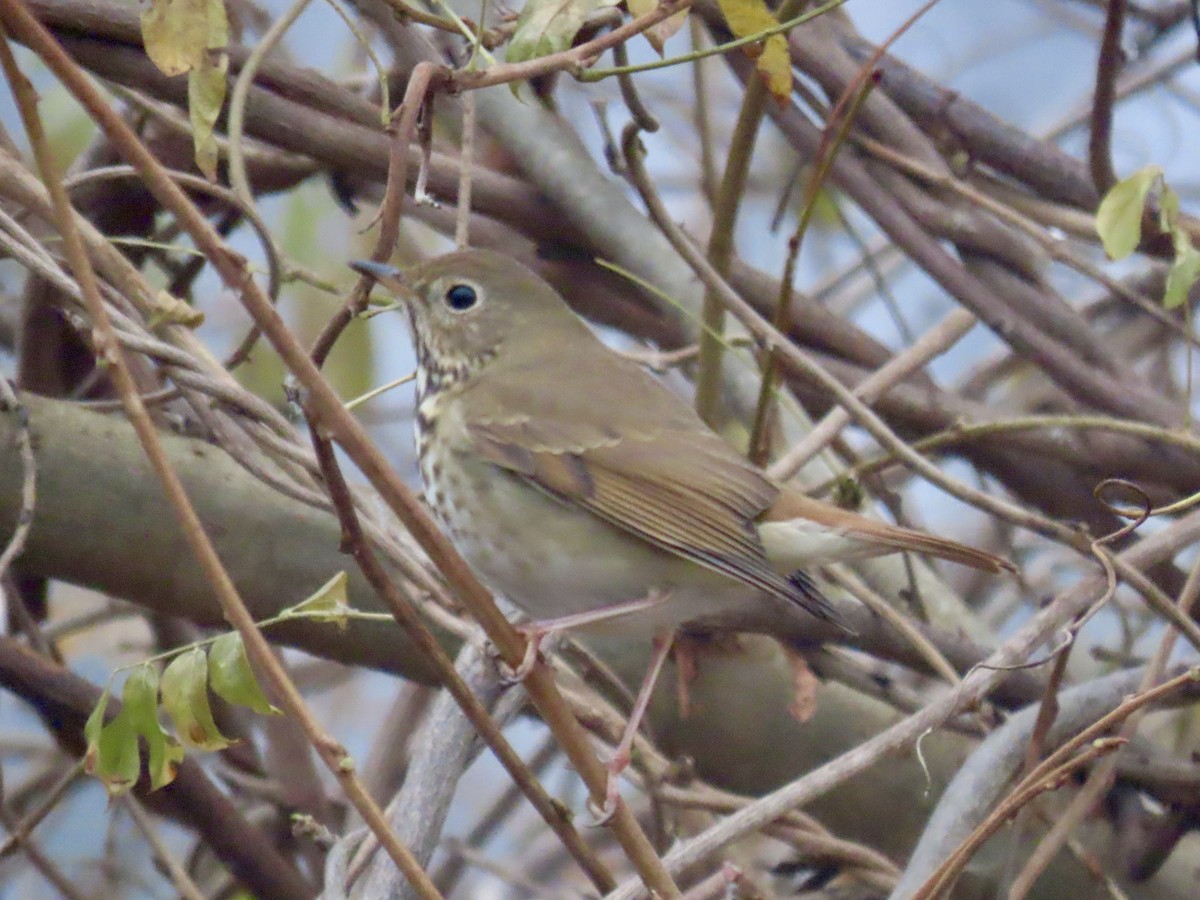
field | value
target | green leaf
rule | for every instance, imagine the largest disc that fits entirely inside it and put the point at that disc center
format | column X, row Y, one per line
column 140, row 708
column 549, row 26
column 185, row 698
column 1168, row 209
column 230, row 675
column 1119, row 218
column 178, row 33
column 747, row 17
column 95, row 722
column 206, row 94
column 112, row 750
column 1184, row 271
column 328, row 603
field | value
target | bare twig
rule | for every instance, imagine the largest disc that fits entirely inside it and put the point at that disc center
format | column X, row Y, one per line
column 188, row 889
column 1108, row 66
column 467, row 158
column 935, row 341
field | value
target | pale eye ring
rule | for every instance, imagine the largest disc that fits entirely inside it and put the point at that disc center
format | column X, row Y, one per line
column 461, row 297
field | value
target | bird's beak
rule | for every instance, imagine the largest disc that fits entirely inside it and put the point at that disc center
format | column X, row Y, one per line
column 388, row 276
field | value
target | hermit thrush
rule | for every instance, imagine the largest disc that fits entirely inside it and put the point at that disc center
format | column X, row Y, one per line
column 573, row 481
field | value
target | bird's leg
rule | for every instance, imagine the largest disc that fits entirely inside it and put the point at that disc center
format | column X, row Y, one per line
column 622, row 756
column 536, row 632
column 685, row 671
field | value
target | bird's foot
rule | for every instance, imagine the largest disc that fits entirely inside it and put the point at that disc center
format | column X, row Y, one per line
column 616, row 764
column 537, row 631
column 534, row 636
column 623, row 754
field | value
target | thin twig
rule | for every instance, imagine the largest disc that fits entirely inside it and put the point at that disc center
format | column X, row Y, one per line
column 704, row 53
column 702, row 115
column 462, row 215
column 571, row 60
column 195, row 183
column 1018, row 798
column 934, row 342
column 730, row 192
column 963, row 433
column 238, row 179
column 839, row 124
column 933, row 657
column 188, row 889
column 488, row 39
column 1101, row 777
column 403, row 129
column 44, row 865
column 48, row 799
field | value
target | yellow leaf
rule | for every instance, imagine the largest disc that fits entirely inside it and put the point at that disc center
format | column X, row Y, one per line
column 660, row 33
column 179, row 33
column 747, row 17
column 1119, row 217
column 206, row 94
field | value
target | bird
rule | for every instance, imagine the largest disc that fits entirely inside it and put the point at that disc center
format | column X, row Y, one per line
column 579, row 486
column 571, row 479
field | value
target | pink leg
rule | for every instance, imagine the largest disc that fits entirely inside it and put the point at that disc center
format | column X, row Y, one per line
column 685, row 671
column 621, row 757
column 536, row 632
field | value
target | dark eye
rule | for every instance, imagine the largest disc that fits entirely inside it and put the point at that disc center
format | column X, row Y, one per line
column 461, row 297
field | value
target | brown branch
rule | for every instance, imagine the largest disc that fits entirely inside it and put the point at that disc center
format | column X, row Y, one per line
column 1123, row 393
column 1108, row 67
column 421, row 82
column 1048, row 170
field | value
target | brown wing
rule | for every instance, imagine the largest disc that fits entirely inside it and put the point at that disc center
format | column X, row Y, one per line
column 596, row 430
column 684, row 492
column 792, row 505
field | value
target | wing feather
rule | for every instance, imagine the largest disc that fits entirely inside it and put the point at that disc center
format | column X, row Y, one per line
column 696, row 501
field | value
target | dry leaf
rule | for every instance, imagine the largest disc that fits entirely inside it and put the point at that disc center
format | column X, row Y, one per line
column 747, row 17
column 659, row 34
column 206, row 96
column 178, row 33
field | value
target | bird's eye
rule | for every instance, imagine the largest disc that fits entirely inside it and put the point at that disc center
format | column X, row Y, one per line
column 460, row 297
